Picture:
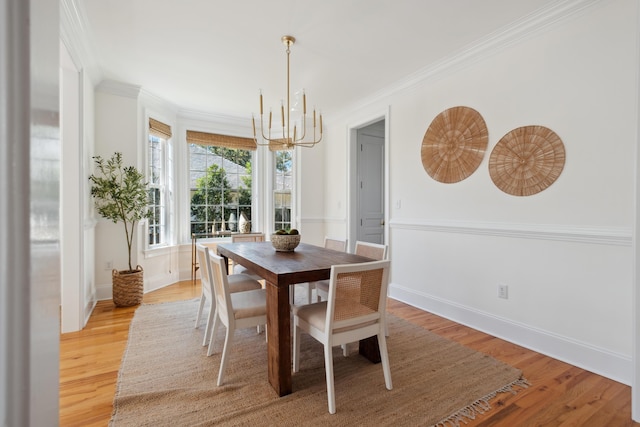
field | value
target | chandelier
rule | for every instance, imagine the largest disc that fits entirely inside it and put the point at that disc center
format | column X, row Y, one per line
column 290, row 138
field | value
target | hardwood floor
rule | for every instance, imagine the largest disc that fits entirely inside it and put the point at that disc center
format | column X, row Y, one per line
column 560, row 394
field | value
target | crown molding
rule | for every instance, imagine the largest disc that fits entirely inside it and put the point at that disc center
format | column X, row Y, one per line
column 223, row 119
column 516, row 31
column 118, row 88
column 153, row 101
column 78, row 40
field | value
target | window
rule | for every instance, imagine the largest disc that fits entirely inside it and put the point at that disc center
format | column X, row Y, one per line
column 282, row 184
column 160, row 183
column 220, row 170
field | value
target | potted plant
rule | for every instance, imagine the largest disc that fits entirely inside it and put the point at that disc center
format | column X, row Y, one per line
column 120, row 194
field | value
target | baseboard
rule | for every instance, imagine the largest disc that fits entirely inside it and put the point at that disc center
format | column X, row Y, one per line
column 612, row 365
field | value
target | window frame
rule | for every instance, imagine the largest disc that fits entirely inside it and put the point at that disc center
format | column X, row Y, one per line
column 164, row 187
column 275, row 191
column 224, row 207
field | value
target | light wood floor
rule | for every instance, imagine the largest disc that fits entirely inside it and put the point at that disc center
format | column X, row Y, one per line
column 560, row 395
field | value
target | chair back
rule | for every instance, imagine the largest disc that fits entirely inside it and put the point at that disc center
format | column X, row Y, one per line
column 205, row 271
column 335, row 244
column 221, row 288
column 357, row 294
column 371, row 250
column 247, row 238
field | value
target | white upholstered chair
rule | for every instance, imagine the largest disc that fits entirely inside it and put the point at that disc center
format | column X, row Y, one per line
column 329, row 243
column 253, row 237
column 370, row 250
column 237, row 283
column 235, row 310
column 354, row 311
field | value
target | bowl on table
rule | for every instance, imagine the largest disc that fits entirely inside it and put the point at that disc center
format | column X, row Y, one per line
column 285, row 242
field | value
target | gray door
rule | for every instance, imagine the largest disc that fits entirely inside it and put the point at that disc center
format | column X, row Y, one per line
column 370, row 187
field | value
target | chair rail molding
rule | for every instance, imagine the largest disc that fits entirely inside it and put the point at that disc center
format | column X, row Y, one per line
column 615, row 236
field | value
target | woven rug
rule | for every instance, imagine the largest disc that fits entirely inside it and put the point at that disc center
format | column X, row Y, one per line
column 166, row 379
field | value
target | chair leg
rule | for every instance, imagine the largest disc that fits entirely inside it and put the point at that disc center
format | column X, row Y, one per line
column 345, row 350
column 386, row 326
column 207, row 329
column 309, row 291
column 199, row 311
column 225, row 354
column 328, row 366
column 214, row 329
column 296, row 345
column 292, row 295
column 384, row 356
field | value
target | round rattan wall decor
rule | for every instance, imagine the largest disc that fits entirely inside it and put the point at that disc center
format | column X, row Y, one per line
column 454, row 144
column 527, row 160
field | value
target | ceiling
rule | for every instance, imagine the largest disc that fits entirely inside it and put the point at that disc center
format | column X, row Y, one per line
column 214, row 56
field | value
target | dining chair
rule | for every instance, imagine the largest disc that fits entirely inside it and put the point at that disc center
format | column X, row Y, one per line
column 237, row 283
column 235, row 310
column 353, row 311
column 329, row 243
column 241, row 269
column 370, row 250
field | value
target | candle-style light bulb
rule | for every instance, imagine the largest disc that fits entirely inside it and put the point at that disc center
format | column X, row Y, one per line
column 304, row 102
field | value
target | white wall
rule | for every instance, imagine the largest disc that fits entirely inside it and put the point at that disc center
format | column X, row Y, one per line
column 116, row 129
column 565, row 253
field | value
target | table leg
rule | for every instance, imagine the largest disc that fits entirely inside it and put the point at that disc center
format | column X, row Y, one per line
column 279, row 338
column 226, row 263
column 369, row 349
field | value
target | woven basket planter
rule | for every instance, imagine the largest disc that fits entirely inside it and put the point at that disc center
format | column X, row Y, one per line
column 285, row 242
column 128, row 287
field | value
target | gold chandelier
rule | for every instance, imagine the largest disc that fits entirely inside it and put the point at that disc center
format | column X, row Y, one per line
column 288, row 140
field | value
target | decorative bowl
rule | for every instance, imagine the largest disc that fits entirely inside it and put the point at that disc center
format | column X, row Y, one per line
column 285, row 242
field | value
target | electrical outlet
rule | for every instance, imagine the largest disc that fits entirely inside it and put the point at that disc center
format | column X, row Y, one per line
column 503, row 291
column 108, row 265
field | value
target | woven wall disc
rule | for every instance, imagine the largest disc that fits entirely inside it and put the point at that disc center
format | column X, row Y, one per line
column 454, row 144
column 527, row 160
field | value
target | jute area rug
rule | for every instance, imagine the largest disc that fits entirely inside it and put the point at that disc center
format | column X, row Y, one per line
column 166, row 379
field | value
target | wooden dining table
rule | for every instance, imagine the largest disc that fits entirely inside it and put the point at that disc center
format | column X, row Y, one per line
column 281, row 270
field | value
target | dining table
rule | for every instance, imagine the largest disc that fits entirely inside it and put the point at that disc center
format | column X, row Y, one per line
column 280, row 271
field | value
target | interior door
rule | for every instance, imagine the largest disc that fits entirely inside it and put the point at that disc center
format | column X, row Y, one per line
column 370, row 186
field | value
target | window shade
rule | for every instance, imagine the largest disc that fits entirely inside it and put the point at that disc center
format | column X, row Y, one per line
column 159, row 129
column 235, row 142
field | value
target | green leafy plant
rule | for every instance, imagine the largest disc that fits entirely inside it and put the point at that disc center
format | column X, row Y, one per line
column 120, row 194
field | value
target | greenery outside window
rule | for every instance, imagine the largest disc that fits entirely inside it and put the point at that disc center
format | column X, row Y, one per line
column 220, row 177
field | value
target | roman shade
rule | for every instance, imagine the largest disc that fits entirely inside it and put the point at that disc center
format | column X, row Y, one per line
column 227, row 141
column 159, row 129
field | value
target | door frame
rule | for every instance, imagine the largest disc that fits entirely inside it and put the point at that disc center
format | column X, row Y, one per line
column 352, row 179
